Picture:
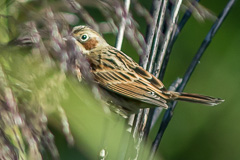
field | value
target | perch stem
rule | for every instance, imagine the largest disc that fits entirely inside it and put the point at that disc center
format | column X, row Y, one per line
column 121, row 29
column 169, row 113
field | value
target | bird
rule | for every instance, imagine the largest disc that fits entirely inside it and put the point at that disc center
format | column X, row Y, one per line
column 122, row 81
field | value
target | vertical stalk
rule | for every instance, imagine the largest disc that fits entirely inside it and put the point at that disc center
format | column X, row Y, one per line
column 169, row 113
column 121, row 29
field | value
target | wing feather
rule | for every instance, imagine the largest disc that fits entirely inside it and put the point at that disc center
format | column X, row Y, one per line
column 117, row 72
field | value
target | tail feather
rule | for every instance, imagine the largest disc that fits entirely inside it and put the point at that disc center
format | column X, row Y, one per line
column 196, row 98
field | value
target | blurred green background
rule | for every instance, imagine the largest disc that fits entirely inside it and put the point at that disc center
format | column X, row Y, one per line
column 195, row 131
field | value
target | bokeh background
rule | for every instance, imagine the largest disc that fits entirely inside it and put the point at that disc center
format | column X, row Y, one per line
column 195, row 131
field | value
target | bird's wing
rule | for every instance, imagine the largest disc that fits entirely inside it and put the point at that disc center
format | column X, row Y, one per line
column 117, row 72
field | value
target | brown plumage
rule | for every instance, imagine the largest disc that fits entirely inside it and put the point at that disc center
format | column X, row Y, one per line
column 122, row 80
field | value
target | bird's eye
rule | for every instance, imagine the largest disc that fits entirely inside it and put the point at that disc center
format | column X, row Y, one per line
column 84, row 37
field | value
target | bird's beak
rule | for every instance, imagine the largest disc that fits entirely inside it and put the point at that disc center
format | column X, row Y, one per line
column 73, row 39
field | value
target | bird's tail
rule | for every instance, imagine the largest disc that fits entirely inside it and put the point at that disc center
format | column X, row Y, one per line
column 195, row 98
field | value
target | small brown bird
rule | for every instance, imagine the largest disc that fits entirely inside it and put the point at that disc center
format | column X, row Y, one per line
column 122, row 80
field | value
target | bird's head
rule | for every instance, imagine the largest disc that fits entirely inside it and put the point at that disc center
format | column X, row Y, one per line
column 88, row 39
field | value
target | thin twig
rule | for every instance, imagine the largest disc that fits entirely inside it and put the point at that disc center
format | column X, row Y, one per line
column 169, row 113
column 170, row 31
column 185, row 18
column 205, row 44
column 141, row 117
column 144, row 116
column 180, row 26
column 156, row 6
column 121, row 29
column 155, row 9
column 131, row 32
column 166, row 40
column 158, row 34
